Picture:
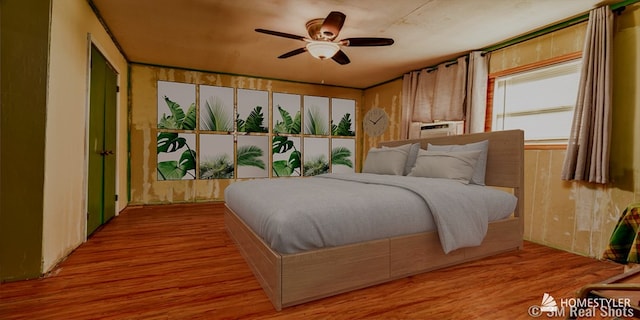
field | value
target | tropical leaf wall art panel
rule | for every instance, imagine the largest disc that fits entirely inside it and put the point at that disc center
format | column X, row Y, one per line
column 343, row 122
column 253, row 111
column 286, row 159
column 316, row 116
column 252, row 157
column 176, row 156
column 216, row 156
column 286, row 113
column 216, row 108
column 316, row 156
column 176, row 105
column 343, row 155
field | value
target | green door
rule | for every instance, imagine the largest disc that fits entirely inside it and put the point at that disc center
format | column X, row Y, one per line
column 101, row 199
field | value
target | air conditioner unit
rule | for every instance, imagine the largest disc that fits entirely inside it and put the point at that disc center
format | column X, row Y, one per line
column 441, row 128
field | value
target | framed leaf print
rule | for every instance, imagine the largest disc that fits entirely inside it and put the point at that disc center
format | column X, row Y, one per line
column 286, row 156
column 343, row 117
column 253, row 111
column 343, row 155
column 176, row 105
column 316, row 115
column 216, row 108
column 252, row 157
column 316, row 156
column 286, row 113
column 176, row 156
column 216, row 156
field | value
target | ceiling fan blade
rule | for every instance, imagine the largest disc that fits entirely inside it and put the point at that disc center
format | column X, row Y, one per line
column 340, row 57
column 281, row 34
column 332, row 25
column 366, row 42
column 293, row 53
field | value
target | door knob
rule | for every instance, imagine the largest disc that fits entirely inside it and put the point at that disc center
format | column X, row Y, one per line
column 106, row 152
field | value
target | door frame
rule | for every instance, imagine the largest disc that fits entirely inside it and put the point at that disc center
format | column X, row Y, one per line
column 92, row 41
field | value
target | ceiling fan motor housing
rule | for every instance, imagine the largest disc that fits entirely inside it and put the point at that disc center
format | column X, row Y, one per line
column 313, row 28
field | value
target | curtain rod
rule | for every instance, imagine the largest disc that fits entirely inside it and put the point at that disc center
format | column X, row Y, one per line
column 614, row 7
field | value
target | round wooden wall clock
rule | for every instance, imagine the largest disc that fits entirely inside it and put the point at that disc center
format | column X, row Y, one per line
column 375, row 122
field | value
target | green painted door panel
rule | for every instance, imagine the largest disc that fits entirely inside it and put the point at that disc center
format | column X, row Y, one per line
column 101, row 203
column 111, row 83
column 96, row 141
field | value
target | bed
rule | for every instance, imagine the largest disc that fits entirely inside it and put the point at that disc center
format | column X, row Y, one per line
column 308, row 271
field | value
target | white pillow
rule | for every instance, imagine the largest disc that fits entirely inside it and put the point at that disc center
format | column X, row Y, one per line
column 411, row 158
column 386, row 160
column 480, row 169
column 412, row 153
column 456, row 165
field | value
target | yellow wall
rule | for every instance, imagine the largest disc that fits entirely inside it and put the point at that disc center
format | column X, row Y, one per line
column 575, row 216
column 551, row 45
column 23, row 84
column 145, row 188
column 387, row 96
column 64, row 220
column 625, row 156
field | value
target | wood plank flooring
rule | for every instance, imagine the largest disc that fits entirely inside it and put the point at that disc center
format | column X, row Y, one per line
column 177, row 262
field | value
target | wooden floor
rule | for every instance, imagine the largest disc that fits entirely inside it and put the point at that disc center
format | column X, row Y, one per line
column 177, row 262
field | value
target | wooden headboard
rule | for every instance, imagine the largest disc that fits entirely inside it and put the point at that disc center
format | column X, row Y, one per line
column 505, row 158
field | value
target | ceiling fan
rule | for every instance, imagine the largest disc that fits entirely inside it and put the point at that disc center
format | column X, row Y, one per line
column 322, row 33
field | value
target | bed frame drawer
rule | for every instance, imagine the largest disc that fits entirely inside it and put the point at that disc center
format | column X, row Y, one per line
column 321, row 273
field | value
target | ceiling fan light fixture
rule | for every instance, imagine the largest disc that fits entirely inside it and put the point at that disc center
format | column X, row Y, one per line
column 322, row 49
column 322, row 43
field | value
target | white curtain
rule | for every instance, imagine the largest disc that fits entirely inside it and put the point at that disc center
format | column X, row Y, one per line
column 433, row 94
column 423, row 109
column 449, row 92
column 587, row 157
column 476, row 103
column 409, row 92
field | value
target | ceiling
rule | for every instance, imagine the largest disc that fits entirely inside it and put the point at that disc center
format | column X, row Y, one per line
column 219, row 36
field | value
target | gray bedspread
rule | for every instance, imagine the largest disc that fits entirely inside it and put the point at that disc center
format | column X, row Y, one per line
column 300, row 214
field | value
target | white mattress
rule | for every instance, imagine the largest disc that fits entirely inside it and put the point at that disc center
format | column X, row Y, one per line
column 300, row 214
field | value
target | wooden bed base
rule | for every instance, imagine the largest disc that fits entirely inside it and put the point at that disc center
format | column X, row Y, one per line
column 291, row 279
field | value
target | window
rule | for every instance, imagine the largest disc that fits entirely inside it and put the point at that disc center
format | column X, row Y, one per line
column 540, row 102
